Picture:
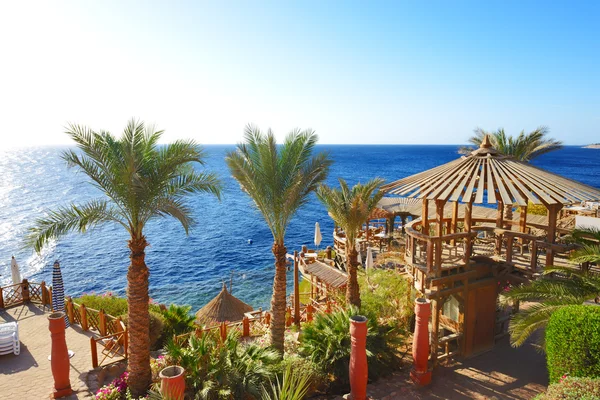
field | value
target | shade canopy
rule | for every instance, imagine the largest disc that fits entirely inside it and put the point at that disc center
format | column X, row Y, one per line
column 225, row 307
column 398, row 204
column 488, row 176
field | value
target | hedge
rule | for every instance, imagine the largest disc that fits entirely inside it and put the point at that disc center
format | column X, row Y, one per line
column 573, row 389
column 573, row 342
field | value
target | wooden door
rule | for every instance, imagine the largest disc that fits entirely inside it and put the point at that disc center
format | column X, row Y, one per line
column 480, row 319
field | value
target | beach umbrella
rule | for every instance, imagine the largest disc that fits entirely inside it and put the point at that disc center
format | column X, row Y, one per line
column 369, row 261
column 58, row 291
column 318, row 236
column 225, row 307
column 14, row 269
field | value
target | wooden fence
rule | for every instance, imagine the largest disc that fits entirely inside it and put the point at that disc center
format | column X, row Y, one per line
column 25, row 292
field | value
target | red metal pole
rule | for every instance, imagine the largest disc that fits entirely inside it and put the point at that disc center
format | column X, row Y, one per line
column 359, row 372
column 420, row 373
column 59, row 356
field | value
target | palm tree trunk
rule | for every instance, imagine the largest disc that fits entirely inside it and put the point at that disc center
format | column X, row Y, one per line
column 138, row 364
column 352, row 289
column 278, row 304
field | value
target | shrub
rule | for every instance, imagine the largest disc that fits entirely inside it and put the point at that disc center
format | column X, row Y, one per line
column 387, row 294
column 111, row 304
column 573, row 342
column 326, row 343
column 217, row 369
column 156, row 329
column 294, row 385
column 178, row 320
column 305, row 367
column 571, row 388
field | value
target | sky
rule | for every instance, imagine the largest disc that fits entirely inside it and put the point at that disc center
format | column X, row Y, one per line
column 355, row 72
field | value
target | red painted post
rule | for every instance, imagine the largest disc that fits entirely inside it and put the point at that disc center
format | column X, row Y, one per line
column 59, row 355
column 245, row 327
column 223, row 329
column 309, row 312
column 172, row 382
column 268, row 319
column 420, row 373
column 359, row 372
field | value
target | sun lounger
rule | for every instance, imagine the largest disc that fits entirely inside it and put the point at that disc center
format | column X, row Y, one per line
column 9, row 338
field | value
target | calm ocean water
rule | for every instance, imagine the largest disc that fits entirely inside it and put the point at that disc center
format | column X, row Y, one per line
column 190, row 269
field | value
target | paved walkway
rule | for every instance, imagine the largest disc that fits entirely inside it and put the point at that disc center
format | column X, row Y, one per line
column 28, row 375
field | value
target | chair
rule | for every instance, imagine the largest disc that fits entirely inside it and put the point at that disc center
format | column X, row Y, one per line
column 9, row 338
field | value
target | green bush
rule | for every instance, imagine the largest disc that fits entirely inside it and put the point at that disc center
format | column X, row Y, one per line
column 156, row 329
column 326, row 343
column 226, row 369
column 573, row 342
column 571, row 388
column 178, row 320
column 386, row 294
column 112, row 305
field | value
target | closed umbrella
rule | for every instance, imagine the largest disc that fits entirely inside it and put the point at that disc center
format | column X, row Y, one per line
column 369, row 261
column 318, row 236
column 58, row 292
column 359, row 257
column 14, row 269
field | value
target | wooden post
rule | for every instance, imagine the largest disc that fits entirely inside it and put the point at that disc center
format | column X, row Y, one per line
column 94, row 353
column 309, row 312
column 25, row 291
column 435, row 326
column 425, row 217
column 296, row 290
column 509, row 247
column 439, row 217
column 102, row 322
column 288, row 314
column 70, row 310
column 454, row 222
column 1, row 298
column 429, row 255
column 523, row 219
column 499, row 224
column 553, row 210
column 50, row 298
column 312, row 287
column 43, row 293
column 83, row 316
column 223, row 331
column 468, row 225
column 268, row 318
column 245, row 327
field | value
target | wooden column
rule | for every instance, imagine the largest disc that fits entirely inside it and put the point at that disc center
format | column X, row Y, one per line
column 499, row 224
column 454, row 223
column 439, row 219
column 435, row 326
column 296, row 290
column 425, row 217
column 468, row 226
column 553, row 210
column 523, row 219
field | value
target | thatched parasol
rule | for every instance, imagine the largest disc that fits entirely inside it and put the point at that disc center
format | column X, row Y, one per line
column 224, row 307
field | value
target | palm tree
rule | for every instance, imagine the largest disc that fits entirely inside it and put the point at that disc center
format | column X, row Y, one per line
column 141, row 182
column 279, row 180
column 350, row 208
column 558, row 287
column 524, row 147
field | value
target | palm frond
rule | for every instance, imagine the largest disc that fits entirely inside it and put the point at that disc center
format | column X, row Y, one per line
column 523, row 324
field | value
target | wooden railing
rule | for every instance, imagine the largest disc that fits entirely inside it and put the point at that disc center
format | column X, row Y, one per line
column 25, row 292
column 113, row 347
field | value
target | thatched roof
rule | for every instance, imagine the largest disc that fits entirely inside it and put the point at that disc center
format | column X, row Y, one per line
column 486, row 175
column 224, row 307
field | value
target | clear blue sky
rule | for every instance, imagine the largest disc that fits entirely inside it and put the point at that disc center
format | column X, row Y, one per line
column 416, row 72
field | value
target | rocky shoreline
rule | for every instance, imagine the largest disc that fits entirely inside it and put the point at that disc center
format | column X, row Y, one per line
column 592, row 146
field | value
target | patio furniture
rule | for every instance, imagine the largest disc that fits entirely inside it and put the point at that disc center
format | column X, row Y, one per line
column 9, row 338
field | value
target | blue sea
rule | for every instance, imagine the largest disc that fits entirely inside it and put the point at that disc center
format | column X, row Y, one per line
column 191, row 269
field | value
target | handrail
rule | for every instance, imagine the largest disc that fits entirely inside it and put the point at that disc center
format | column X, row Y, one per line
column 25, row 292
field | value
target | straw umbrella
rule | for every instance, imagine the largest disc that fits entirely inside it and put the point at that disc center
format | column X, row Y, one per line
column 225, row 307
column 16, row 273
column 58, row 291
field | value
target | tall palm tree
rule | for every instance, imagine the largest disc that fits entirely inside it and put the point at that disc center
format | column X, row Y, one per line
column 140, row 182
column 524, row 147
column 279, row 180
column 350, row 208
column 558, row 287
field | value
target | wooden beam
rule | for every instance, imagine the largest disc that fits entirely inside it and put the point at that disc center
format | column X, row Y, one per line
column 553, row 210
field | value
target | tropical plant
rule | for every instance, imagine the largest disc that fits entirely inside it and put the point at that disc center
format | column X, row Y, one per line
column 326, row 343
column 589, row 239
column 388, row 296
column 279, row 179
column 572, row 388
column 350, row 208
column 524, row 147
column 141, row 182
column 217, row 369
column 293, row 386
column 178, row 320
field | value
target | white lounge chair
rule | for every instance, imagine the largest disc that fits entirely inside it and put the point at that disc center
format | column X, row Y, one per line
column 9, row 338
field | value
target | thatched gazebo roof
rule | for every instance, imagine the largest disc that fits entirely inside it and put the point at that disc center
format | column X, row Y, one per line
column 486, row 175
column 224, row 307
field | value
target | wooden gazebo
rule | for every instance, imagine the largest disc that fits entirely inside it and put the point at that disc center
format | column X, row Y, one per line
column 225, row 307
column 458, row 264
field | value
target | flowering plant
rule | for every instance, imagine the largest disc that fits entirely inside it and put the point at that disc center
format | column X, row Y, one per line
column 115, row 390
column 156, row 365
